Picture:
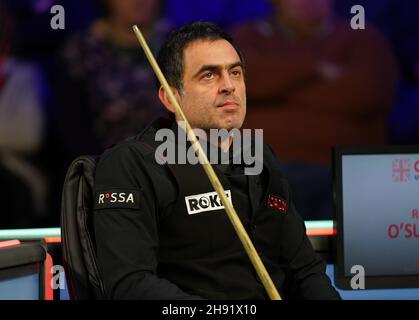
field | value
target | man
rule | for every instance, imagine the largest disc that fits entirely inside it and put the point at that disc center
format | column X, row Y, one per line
column 154, row 246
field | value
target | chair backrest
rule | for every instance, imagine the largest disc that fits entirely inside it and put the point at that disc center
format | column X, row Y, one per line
column 77, row 234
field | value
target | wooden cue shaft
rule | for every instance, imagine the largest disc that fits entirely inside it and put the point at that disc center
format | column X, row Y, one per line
column 231, row 212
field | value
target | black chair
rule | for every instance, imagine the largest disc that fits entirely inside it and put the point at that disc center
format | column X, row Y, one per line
column 78, row 245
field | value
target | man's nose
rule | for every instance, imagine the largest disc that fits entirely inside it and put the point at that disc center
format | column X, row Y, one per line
column 227, row 85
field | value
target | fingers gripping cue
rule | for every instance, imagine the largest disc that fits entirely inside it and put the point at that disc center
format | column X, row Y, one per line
column 231, row 213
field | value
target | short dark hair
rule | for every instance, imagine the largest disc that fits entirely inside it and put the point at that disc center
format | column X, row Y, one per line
column 170, row 56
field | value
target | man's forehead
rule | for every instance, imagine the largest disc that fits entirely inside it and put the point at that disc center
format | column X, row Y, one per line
column 209, row 52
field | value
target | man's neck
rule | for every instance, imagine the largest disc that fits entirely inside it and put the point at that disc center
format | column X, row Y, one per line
column 224, row 143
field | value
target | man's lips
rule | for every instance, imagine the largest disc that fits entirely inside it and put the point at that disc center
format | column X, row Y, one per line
column 229, row 105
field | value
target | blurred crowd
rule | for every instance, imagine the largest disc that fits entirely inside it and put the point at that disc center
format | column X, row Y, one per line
column 313, row 83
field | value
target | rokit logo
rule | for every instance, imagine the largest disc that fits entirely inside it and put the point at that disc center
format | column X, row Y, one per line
column 117, row 199
column 203, row 202
column 402, row 170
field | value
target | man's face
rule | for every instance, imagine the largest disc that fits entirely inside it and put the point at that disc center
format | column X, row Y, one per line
column 214, row 92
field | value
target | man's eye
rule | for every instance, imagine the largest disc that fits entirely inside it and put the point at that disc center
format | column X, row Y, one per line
column 236, row 73
column 208, row 75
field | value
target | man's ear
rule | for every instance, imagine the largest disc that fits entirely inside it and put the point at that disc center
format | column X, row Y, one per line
column 165, row 99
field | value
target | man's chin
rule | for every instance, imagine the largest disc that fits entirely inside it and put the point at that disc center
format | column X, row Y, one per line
column 229, row 125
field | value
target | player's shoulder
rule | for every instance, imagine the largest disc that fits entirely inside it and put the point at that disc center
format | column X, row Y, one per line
column 134, row 151
column 124, row 151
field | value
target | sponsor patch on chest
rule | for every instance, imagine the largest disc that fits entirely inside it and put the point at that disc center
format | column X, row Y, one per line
column 209, row 201
column 277, row 203
column 117, row 198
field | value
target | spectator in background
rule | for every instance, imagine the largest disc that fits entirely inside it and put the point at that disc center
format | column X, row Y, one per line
column 314, row 83
column 399, row 20
column 23, row 186
column 106, row 93
column 404, row 117
column 34, row 40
